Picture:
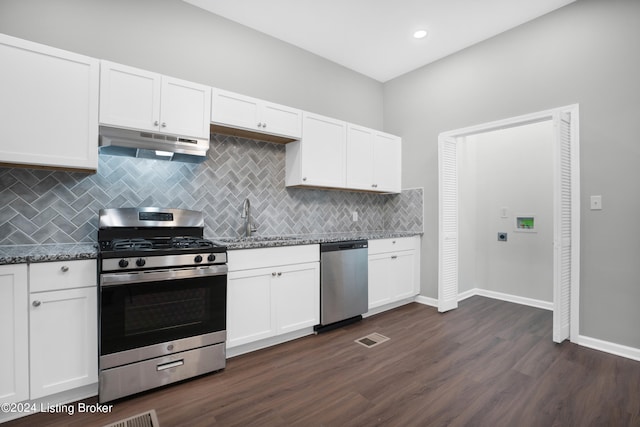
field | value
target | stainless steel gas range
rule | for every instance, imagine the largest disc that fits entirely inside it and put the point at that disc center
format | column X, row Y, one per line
column 162, row 299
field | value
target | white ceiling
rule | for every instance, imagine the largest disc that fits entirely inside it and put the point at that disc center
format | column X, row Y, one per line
column 375, row 37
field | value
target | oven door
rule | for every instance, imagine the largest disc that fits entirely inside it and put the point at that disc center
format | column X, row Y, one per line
column 139, row 310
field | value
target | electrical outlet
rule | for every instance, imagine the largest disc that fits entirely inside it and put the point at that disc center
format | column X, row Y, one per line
column 502, row 236
column 354, row 215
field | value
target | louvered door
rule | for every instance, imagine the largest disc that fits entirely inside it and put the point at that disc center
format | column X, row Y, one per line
column 562, row 219
column 448, row 235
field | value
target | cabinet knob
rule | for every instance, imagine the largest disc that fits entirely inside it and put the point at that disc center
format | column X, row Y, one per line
column 394, row 242
column 394, row 256
column 279, row 273
column 264, row 125
column 36, row 303
column 259, row 124
column 273, row 274
column 164, row 124
column 156, row 123
column 304, row 179
column 64, row 268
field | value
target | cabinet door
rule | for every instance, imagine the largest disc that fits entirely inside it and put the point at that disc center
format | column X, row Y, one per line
column 296, row 293
column 387, row 162
column 48, row 106
column 63, row 340
column 235, row 110
column 185, row 108
column 14, row 350
column 129, row 97
column 380, row 284
column 359, row 158
column 323, row 151
column 402, row 268
column 281, row 120
column 249, row 313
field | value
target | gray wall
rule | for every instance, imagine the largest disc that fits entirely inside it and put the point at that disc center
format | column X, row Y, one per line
column 174, row 38
column 513, row 169
column 584, row 53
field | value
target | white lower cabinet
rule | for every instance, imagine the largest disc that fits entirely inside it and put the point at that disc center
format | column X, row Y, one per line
column 394, row 270
column 14, row 321
column 271, row 300
column 49, row 336
column 63, row 340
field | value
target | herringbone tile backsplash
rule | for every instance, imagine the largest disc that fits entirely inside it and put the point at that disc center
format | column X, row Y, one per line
column 38, row 206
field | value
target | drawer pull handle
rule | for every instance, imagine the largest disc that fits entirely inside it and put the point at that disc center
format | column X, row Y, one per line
column 36, row 303
column 64, row 268
column 170, row 365
column 394, row 257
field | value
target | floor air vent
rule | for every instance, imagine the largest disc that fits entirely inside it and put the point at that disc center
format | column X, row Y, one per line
column 148, row 419
column 372, row 340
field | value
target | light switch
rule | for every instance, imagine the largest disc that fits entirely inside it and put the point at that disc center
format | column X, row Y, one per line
column 596, row 203
column 504, row 212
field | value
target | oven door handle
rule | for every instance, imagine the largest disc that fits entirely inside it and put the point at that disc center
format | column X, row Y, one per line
column 115, row 279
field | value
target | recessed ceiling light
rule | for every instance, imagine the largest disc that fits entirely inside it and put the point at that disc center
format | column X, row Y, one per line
column 420, row 34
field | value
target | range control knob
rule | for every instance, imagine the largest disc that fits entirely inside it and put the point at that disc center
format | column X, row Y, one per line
column 123, row 263
column 140, row 262
column 198, row 258
column 211, row 258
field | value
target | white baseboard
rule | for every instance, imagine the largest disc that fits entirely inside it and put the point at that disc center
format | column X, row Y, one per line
column 545, row 305
column 467, row 294
column 609, row 347
column 427, row 301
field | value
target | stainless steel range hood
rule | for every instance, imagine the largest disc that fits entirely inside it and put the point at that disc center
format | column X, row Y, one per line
column 149, row 145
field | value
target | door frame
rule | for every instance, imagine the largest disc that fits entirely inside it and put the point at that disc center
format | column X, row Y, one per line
column 448, row 271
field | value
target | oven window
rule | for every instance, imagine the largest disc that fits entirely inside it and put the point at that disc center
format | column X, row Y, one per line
column 137, row 315
column 154, row 311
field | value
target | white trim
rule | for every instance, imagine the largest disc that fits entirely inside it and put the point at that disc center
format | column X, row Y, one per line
column 609, row 347
column 467, row 294
column 575, row 190
column 389, row 306
column 267, row 342
column 431, row 302
column 545, row 305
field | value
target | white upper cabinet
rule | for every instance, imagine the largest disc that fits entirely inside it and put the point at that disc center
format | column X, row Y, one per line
column 48, row 106
column 318, row 159
column 138, row 99
column 244, row 112
column 374, row 160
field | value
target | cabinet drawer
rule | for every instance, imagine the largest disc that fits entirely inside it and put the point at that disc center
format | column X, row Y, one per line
column 379, row 246
column 51, row 276
column 245, row 259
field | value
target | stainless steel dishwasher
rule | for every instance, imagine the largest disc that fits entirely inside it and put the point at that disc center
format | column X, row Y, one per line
column 344, row 283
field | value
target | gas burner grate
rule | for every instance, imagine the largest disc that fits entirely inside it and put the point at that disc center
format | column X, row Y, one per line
column 127, row 244
column 190, row 242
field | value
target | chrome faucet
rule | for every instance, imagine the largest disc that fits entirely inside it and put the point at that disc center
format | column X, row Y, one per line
column 246, row 214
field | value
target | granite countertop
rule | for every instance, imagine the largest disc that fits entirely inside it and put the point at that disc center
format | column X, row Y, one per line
column 21, row 254
column 307, row 239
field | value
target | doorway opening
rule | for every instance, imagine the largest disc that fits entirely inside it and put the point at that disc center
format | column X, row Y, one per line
column 566, row 213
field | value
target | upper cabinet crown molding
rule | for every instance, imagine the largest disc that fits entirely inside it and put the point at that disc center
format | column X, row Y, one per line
column 48, row 107
column 232, row 113
column 137, row 99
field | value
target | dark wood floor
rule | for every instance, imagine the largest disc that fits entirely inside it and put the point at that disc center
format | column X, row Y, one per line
column 489, row 363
